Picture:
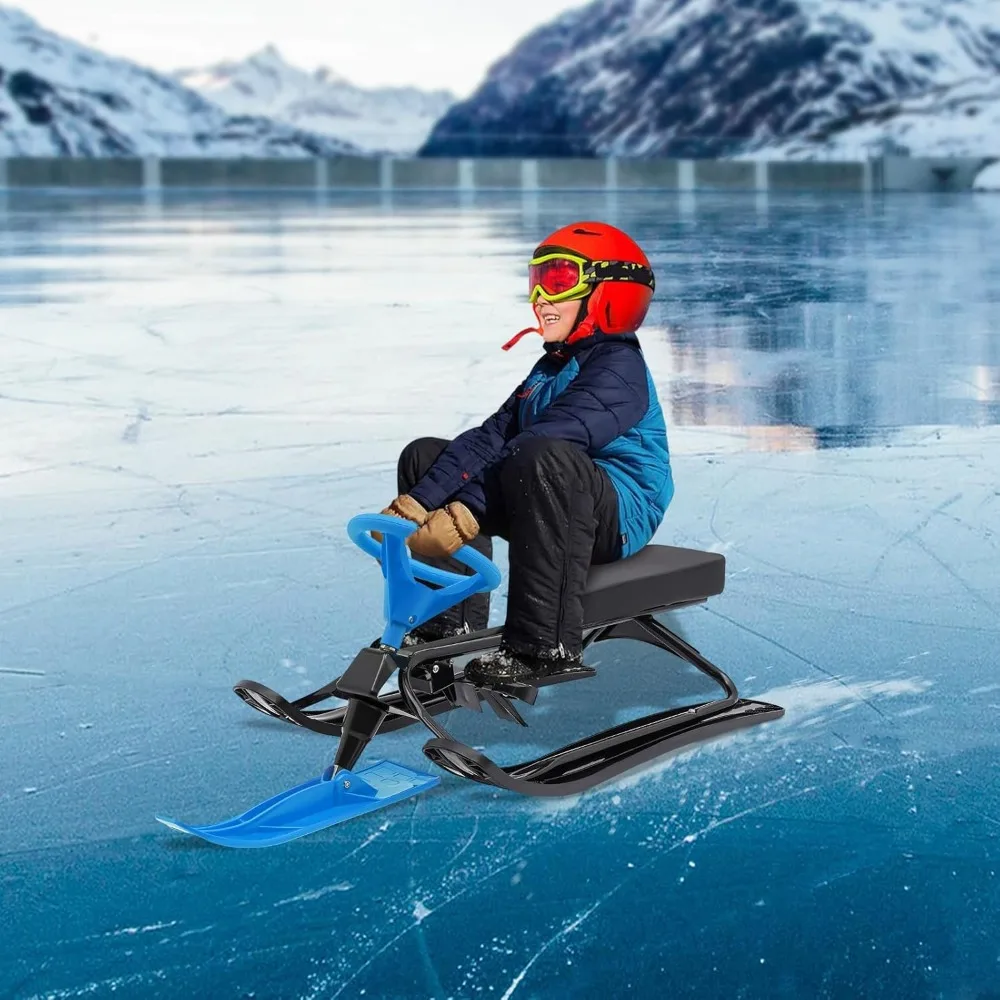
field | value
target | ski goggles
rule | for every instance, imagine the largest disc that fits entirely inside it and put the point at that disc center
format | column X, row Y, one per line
column 560, row 276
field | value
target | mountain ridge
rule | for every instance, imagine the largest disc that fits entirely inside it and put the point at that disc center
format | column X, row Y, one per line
column 61, row 98
column 711, row 78
column 379, row 120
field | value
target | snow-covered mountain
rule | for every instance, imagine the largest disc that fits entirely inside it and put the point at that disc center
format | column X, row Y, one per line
column 709, row 78
column 388, row 119
column 60, row 98
column 958, row 120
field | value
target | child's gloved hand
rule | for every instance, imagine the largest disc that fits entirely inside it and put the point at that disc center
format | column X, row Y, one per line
column 445, row 531
column 407, row 508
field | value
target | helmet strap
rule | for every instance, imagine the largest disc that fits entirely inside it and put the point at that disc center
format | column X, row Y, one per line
column 583, row 326
column 584, row 329
column 583, row 313
column 517, row 336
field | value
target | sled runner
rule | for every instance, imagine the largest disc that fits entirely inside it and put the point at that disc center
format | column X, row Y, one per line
column 621, row 600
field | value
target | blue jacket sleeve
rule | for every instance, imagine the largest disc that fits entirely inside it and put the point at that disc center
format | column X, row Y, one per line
column 466, row 456
column 609, row 396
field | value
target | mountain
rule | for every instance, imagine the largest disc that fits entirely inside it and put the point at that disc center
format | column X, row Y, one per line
column 958, row 120
column 703, row 78
column 60, row 98
column 389, row 119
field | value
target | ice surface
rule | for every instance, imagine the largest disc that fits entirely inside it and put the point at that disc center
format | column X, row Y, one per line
column 198, row 394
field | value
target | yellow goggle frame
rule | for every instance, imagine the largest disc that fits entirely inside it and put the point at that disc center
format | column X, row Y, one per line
column 592, row 272
column 578, row 291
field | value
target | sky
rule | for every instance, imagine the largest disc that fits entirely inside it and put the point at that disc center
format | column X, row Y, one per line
column 426, row 43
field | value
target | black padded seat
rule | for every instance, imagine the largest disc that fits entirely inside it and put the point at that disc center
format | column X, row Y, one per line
column 656, row 577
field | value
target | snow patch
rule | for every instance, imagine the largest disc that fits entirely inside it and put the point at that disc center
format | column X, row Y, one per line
column 311, row 894
column 988, row 179
column 141, row 930
column 814, row 696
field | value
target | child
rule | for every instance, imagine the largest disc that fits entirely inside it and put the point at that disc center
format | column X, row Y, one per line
column 572, row 470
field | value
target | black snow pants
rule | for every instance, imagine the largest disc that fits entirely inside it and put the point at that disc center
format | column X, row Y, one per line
column 558, row 511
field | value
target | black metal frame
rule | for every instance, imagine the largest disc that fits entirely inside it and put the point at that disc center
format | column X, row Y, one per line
column 429, row 686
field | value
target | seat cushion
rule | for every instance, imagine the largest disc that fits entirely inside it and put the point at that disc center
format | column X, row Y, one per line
column 655, row 578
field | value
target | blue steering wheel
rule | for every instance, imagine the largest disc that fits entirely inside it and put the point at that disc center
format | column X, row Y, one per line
column 406, row 603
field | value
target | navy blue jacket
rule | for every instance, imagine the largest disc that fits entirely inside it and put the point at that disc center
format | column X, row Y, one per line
column 597, row 393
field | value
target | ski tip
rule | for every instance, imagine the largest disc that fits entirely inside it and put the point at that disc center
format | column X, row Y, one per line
column 173, row 824
column 220, row 834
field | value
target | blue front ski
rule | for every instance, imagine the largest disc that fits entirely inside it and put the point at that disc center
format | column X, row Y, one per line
column 314, row 805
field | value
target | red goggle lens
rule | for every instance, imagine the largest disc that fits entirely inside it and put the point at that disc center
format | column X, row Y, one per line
column 554, row 276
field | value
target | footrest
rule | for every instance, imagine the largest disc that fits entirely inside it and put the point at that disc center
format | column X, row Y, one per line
column 528, row 692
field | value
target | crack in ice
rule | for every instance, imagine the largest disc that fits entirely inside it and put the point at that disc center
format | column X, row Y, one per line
column 572, row 926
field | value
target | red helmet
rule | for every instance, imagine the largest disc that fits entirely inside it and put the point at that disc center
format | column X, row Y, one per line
column 602, row 265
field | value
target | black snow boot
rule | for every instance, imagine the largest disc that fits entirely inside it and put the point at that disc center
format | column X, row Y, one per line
column 427, row 633
column 504, row 666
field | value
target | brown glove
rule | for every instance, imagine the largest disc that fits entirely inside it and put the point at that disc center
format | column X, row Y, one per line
column 407, row 508
column 445, row 531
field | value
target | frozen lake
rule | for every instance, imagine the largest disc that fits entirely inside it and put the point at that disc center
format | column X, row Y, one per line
column 196, row 395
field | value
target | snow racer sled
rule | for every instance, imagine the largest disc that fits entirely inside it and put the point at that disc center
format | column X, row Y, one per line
column 621, row 600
